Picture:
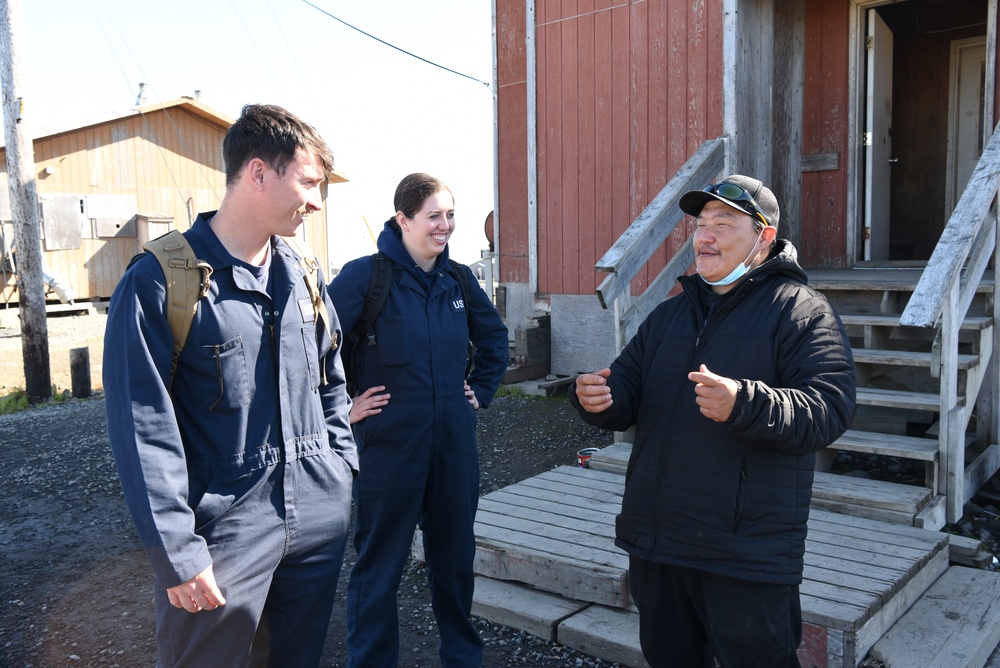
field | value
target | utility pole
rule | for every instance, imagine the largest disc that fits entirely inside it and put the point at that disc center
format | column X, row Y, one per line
column 24, row 208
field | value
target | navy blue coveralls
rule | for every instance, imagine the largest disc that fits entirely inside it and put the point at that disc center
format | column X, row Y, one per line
column 245, row 464
column 419, row 459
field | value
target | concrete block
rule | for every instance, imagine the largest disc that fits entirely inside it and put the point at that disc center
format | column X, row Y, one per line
column 611, row 634
column 583, row 334
column 521, row 607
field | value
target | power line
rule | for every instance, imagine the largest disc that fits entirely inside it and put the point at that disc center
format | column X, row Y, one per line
column 180, row 135
column 393, row 46
column 305, row 85
column 257, row 48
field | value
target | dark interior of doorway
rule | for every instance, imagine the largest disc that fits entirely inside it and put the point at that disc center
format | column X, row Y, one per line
column 923, row 31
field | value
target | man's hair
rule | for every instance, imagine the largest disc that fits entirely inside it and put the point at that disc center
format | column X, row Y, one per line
column 413, row 191
column 274, row 135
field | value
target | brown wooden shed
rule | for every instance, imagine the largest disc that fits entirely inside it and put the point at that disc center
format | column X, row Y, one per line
column 106, row 187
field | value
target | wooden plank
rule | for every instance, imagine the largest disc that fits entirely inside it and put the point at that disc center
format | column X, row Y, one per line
column 872, row 396
column 580, row 477
column 514, row 535
column 615, row 455
column 875, row 493
column 980, row 470
column 945, row 264
column 979, row 323
column 907, row 557
column 956, row 624
column 576, row 579
column 603, row 526
column 892, row 445
column 539, row 535
column 834, row 614
column 833, row 522
column 571, row 507
column 821, row 162
column 904, row 559
column 889, row 614
column 634, row 247
column 880, row 514
column 908, row 358
column 575, row 491
column 846, row 584
column 848, row 567
column 523, row 495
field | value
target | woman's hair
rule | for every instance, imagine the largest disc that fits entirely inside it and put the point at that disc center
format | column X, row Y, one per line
column 273, row 134
column 412, row 192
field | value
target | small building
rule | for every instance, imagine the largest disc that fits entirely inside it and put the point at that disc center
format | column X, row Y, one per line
column 107, row 187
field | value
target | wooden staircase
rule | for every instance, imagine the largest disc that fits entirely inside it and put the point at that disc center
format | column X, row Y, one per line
column 900, row 400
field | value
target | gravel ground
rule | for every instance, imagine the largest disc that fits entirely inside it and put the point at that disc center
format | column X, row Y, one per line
column 75, row 587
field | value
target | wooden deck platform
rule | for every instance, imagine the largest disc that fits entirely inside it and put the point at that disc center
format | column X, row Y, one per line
column 554, row 533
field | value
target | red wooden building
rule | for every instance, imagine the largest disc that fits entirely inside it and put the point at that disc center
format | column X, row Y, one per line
column 864, row 116
column 873, row 123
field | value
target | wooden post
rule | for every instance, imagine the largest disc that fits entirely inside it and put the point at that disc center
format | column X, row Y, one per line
column 24, row 208
column 79, row 372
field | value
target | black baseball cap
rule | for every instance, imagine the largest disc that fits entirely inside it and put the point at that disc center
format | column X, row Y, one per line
column 755, row 199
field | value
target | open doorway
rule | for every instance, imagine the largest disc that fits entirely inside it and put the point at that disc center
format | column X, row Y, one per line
column 920, row 136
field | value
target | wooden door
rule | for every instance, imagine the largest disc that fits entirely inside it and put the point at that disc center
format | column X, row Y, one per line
column 878, row 138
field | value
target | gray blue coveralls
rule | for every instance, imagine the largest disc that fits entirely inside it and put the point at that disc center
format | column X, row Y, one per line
column 419, row 459
column 245, row 464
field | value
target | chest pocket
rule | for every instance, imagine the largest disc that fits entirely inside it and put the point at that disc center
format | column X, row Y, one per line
column 395, row 341
column 216, row 376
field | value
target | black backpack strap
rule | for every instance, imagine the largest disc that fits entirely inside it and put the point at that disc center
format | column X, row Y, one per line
column 458, row 271
column 364, row 331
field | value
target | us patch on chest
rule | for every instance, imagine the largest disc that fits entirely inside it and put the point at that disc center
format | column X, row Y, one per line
column 306, row 309
column 457, row 305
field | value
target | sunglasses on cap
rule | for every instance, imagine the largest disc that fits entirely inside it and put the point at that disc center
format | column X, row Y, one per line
column 740, row 197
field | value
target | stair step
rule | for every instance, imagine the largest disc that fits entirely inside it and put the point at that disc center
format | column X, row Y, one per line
column 921, row 401
column 891, row 445
column 907, row 358
column 956, row 623
column 881, row 320
column 873, row 499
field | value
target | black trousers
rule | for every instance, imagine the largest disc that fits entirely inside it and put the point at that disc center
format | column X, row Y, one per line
column 691, row 619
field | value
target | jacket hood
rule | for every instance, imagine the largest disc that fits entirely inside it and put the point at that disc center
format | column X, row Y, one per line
column 390, row 242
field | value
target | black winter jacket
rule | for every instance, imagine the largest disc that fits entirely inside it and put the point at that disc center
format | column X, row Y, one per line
column 730, row 498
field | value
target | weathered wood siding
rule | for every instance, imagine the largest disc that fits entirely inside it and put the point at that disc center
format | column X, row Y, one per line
column 626, row 92
column 512, row 135
column 824, row 193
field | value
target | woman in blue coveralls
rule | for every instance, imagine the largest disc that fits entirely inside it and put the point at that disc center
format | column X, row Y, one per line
column 415, row 426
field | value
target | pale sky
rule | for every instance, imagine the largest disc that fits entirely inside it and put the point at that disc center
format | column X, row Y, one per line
column 384, row 113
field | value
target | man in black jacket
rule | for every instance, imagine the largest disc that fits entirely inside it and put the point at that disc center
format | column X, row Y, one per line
column 732, row 386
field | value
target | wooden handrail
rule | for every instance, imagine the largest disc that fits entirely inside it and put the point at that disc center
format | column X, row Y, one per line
column 957, row 244
column 638, row 243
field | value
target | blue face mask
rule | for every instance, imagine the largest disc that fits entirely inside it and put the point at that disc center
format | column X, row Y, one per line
column 740, row 270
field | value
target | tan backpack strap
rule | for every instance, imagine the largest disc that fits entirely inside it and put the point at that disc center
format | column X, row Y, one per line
column 311, row 268
column 188, row 279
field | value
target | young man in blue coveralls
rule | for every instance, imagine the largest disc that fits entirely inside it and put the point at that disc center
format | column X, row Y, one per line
column 238, row 471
